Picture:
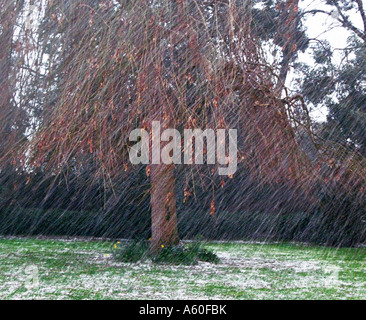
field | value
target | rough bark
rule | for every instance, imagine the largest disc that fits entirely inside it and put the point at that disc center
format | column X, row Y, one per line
column 163, row 207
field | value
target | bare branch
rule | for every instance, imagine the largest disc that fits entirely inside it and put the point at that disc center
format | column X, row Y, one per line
column 346, row 23
column 362, row 12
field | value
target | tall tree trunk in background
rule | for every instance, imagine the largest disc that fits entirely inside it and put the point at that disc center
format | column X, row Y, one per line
column 8, row 17
column 289, row 21
column 7, row 22
column 163, row 207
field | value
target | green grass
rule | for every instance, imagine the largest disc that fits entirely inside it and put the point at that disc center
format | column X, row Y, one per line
column 81, row 270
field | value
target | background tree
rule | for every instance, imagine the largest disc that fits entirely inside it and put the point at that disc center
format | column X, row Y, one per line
column 12, row 127
column 280, row 26
column 340, row 86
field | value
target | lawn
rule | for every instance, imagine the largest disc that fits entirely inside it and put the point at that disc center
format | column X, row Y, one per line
column 80, row 269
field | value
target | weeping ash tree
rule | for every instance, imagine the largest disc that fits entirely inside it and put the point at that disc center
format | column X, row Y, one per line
column 113, row 66
column 186, row 64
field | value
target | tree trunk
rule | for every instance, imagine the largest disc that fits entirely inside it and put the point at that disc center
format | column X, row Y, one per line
column 163, row 207
column 290, row 24
column 9, row 12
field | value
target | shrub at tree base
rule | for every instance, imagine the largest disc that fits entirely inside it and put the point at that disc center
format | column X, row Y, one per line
column 132, row 252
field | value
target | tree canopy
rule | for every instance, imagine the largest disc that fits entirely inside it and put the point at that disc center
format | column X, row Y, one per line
column 78, row 76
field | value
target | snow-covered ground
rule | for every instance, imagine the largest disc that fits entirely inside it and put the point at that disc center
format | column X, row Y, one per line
column 81, row 269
